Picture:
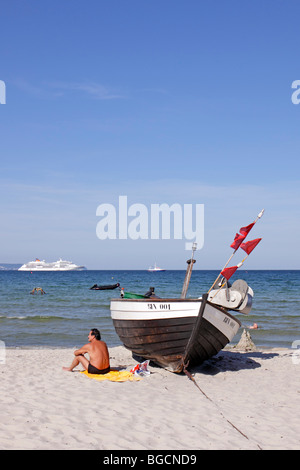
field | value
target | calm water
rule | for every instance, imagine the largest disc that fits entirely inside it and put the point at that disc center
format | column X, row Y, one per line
column 64, row 316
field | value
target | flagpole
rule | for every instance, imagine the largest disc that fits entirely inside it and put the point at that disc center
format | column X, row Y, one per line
column 238, row 266
column 213, row 285
column 222, row 270
column 217, row 290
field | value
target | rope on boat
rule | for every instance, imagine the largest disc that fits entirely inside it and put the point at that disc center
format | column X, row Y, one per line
column 189, row 375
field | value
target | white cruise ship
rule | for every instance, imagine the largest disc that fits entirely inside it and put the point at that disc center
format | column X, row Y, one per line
column 60, row 265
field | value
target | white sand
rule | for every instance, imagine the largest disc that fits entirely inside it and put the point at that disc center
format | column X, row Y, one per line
column 253, row 402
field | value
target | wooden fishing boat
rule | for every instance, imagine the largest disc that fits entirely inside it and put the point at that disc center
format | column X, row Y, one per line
column 179, row 333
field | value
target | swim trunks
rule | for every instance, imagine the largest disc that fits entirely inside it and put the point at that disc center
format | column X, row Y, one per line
column 94, row 370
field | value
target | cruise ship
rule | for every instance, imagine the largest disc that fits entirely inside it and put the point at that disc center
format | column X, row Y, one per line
column 60, row 265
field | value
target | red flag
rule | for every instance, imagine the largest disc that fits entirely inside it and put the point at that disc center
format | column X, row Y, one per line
column 228, row 272
column 249, row 246
column 237, row 241
column 246, row 230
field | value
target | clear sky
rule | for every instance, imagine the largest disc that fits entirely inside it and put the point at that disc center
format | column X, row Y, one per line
column 161, row 101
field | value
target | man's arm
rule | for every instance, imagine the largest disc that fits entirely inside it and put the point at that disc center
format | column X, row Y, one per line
column 83, row 350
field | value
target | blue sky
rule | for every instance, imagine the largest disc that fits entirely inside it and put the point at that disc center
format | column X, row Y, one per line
column 162, row 101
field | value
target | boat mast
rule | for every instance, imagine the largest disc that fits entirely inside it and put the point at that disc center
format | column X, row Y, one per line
column 190, row 263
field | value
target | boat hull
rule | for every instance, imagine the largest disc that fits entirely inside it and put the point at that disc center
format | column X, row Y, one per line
column 173, row 333
column 77, row 268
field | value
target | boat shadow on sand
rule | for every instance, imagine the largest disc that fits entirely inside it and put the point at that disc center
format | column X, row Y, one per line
column 230, row 361
column 224, row 361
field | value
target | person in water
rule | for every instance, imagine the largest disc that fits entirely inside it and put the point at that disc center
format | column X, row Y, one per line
column 98, row 353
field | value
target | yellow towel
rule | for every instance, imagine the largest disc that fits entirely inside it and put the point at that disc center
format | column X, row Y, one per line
column 113, row 375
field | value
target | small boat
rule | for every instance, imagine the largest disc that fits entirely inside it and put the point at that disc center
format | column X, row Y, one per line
column 130, row 295
column 155, row 269
column 107, row 287
column 180, row 333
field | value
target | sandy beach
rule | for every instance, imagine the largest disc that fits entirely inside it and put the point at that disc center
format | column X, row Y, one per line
column 239, row 400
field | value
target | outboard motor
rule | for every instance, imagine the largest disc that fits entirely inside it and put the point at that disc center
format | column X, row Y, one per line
column 150, row 294
column 237, row 297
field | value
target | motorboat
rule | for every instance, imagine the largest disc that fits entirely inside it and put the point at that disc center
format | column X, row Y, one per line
column 105, row 287
column 155, row 269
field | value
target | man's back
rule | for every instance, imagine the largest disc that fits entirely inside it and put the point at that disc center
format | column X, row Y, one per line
column 99, row 356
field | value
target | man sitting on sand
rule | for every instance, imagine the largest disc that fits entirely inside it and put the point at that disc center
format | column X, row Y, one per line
column 98, row 352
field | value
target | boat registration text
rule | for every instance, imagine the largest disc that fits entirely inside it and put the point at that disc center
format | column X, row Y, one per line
column 156, row 306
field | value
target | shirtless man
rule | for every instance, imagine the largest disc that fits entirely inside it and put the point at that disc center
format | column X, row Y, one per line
column 98, row 352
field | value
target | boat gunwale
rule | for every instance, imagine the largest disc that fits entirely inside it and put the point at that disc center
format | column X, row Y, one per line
column 221, row 309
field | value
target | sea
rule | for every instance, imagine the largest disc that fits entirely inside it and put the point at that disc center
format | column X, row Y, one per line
column 64, row 315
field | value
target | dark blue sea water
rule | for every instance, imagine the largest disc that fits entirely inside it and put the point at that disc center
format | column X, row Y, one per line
column 64, row 316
